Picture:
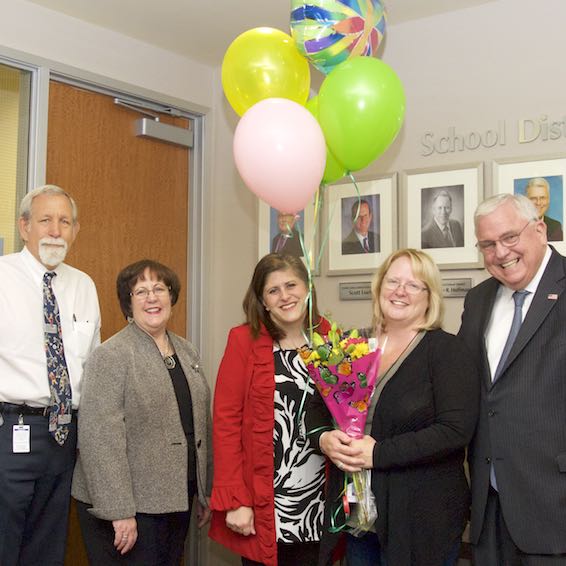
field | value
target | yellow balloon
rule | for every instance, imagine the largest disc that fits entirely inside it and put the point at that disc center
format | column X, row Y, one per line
column 264, row 63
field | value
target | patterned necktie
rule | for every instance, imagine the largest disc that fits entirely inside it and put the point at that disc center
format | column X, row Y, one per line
column 366, row 245
column 519, row 298
column 58, row 375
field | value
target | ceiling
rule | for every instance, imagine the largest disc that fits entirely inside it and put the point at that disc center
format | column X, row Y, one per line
column 203, row 29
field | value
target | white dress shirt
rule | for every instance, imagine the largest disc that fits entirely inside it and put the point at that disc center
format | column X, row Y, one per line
column 502, row 315
column 23, row 366
column 361, row 239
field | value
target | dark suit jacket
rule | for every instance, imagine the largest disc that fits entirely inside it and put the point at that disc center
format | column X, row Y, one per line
column 351, row 244
column 553, row 229
column 292, row 245
column 522, row 425
column 432, row 237
column 424, row 417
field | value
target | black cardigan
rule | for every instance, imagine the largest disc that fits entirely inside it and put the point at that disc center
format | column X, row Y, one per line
column 424, row 418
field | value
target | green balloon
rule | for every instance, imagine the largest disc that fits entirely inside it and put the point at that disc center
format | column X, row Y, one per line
column 361, row 105
column 333, row 170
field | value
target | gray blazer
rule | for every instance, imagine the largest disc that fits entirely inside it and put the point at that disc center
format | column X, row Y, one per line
column 522, row 425
column 132, row 448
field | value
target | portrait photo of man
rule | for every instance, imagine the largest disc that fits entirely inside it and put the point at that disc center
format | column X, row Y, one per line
column 439, row 227
column 285, row 236
column 546, row 194
column 361, row 225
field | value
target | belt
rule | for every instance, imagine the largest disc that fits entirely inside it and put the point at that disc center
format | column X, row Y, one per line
column 26, row 410
column 23, row 409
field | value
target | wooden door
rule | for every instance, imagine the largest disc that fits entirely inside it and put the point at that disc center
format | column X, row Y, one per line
column 132, row 195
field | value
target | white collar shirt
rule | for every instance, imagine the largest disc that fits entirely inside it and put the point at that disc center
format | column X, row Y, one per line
column 445, row 230
column 502, row 315
column 23, row 366
column 362, row 238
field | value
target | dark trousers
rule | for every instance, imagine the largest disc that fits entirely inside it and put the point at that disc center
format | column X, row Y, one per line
column 298, row 554
column 161, row 539
column 496, row 547
column 35, row 492
column 366, row 551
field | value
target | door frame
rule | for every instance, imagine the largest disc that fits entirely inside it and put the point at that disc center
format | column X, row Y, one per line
column 44, row 70
column 200, row 167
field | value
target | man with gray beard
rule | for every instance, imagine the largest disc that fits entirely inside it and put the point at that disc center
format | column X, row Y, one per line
column 49, row 323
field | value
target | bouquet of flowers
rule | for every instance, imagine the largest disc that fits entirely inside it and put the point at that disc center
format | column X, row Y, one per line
column 344, row 370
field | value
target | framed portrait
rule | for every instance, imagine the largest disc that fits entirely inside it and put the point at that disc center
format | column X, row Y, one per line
column 274, row 234
column 362, row 231
column 542, row 181
column 437, row 213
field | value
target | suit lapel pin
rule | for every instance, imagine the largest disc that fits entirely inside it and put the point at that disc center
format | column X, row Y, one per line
column 552, row 297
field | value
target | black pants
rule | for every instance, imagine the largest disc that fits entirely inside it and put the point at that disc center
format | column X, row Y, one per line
column 496, row 547
column 161, row 539
column 299, row 554
column 35, row 492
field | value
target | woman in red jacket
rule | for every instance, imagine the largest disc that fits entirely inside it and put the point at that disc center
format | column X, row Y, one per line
column 267, row 494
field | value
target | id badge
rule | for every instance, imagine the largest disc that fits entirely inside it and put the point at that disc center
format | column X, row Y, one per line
column 21, row 439
column 351, row 494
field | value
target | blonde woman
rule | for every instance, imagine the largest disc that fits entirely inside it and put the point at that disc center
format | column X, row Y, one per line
column 423, row 414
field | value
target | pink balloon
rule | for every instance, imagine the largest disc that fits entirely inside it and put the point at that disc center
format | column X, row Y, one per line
column 280, row 153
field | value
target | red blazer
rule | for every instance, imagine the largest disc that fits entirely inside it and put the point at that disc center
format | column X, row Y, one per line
column 243, row 421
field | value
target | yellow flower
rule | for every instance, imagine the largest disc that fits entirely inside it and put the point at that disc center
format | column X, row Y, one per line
column 361, row 350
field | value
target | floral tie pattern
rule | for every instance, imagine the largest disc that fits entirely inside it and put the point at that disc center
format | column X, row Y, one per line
column 59, row 383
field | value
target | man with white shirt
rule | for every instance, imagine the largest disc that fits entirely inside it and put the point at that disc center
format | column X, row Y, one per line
column 287, row 240
column 49, row 323
column 515, row 325
column 442, row 231
column 361, row 240
column 538, row 191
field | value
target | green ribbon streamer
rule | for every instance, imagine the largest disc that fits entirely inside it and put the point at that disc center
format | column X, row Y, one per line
column 334, row 528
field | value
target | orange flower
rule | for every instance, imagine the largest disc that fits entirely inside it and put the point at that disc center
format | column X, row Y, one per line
column 345, row 368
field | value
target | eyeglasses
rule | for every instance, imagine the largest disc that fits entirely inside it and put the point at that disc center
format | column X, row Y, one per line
column 508, row 241
column 410, row 287
column 142, row 293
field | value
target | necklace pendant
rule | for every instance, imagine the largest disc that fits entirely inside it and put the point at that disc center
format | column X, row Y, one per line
column 169, row 362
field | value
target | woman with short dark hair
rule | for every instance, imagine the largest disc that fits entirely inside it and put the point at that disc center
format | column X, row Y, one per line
column 144, row 431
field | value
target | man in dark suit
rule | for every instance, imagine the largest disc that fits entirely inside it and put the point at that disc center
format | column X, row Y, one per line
column 287, row 241
column 518, row 454
column 441, row 232
column 538, row 191
column 361, row 240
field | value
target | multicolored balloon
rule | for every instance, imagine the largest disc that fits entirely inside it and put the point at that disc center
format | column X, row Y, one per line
column 327, row 32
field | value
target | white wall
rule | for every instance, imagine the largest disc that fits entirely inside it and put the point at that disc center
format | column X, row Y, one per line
column 470, row 69
column 38, row 31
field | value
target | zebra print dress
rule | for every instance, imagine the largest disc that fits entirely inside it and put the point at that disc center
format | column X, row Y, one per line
column 299, row 470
